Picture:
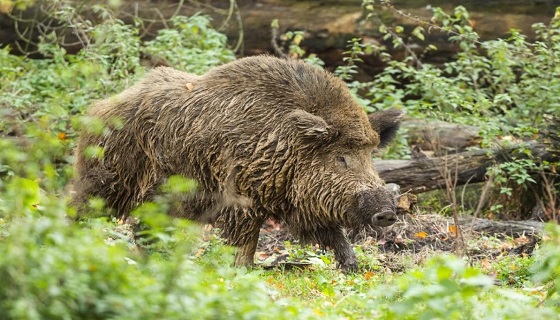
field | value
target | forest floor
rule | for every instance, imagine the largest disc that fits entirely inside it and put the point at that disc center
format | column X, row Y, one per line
column 409, row 242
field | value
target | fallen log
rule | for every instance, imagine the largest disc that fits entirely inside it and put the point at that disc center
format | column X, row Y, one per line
column 440, row 137
column 509, row 228
column 423, row 173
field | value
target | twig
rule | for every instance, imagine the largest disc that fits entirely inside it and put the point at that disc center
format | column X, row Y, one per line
column 179, row 6
column 406, row 47
column 483, row 195
column 274, row 26
column 233, row 7
column 421, row 22
column 451, row 184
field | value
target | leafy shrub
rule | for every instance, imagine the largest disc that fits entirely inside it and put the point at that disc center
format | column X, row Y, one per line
column 53, row 268
column 514, row 271
column 447, row 289
column 546, row 268
column 500, row 78
column 190, row 45
column 504, row 86
column 42, row 100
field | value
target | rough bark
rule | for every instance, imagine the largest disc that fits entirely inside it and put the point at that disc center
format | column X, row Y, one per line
column 446, row 156
column 423, row 173
column 509, row 228
column 439, row 137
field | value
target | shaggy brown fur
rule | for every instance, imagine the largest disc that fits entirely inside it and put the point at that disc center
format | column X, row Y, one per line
column 264, row 137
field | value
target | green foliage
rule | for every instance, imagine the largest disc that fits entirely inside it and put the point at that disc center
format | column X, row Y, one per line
column 116, row 47
column 293, row 40
column 53, row 268
column 447, row 289
column 347, row 71
column 41, row 100
column 503, row 86
column 191, row 45
column 444, row 288
column 516, row 171
column 436, row 291
column 308, row 255
column 514, row 271
column 500, row 82
column 546, row 268
column 9, row 5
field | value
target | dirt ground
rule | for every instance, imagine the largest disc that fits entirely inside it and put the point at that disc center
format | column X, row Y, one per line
column 413, row 238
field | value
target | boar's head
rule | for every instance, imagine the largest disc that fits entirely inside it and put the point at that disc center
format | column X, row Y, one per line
column 335, row 172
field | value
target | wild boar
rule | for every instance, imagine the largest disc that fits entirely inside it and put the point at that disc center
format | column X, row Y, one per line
column 263, row 137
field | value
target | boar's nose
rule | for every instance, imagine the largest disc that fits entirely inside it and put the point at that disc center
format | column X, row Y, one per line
column 379, row 203
column 384, row 218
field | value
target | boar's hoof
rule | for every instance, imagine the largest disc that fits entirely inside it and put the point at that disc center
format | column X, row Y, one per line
column 349, row 267
column 384, row 218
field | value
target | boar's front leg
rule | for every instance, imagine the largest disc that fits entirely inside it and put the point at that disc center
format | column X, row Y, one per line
column 339, row 243
column 240, row 227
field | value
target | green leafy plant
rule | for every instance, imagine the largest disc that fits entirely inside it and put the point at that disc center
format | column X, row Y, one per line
column 191, row 45
column 52, row 267
column 546, row 268
column 497, row 85
column 293, row 41
column 514, row 271
column 447, row 289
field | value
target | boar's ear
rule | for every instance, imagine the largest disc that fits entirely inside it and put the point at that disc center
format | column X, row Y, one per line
column 311, row 127
column 386, row 123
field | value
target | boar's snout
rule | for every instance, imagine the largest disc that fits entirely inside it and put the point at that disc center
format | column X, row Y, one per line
column 384, row 219
column 379, row 205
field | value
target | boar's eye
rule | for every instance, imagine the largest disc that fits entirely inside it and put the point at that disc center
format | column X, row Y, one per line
column 342, row 161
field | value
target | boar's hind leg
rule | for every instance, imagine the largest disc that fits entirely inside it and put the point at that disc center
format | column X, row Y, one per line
column 343, row 253
column 240, row 227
